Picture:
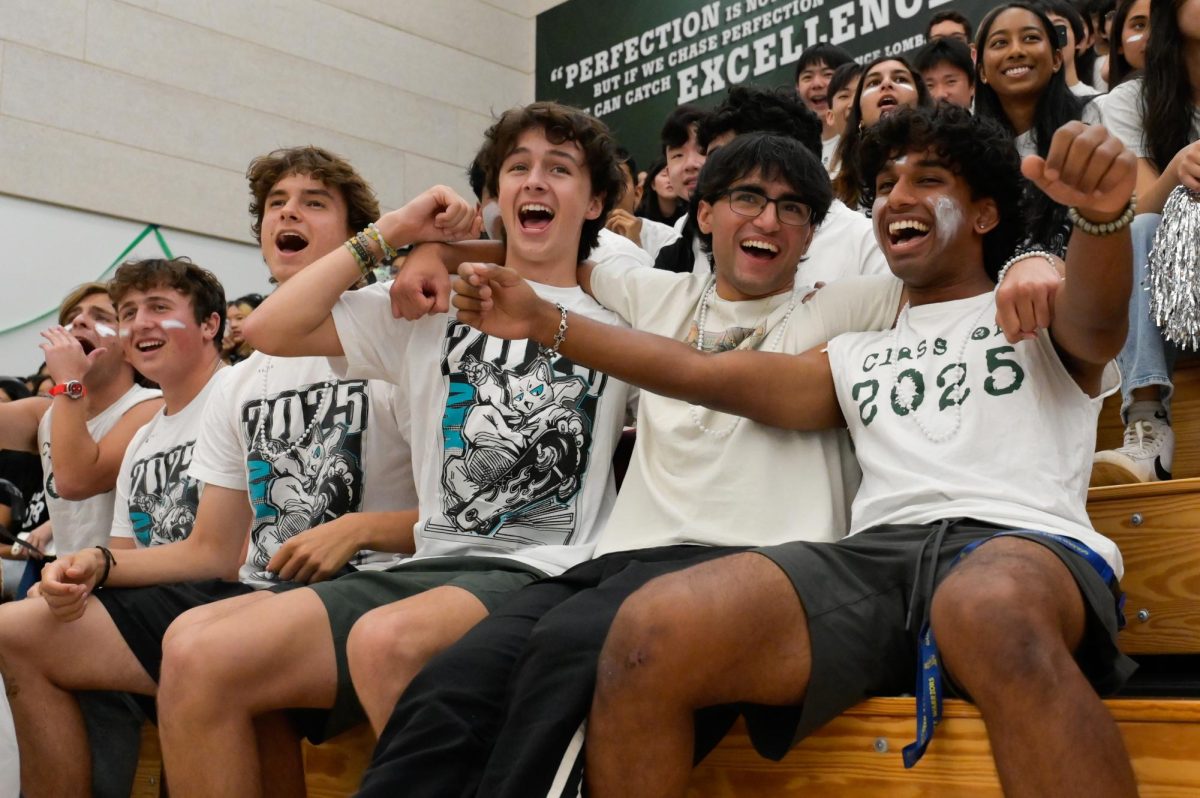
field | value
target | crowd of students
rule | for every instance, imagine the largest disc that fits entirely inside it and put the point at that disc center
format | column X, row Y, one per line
column 815, row 312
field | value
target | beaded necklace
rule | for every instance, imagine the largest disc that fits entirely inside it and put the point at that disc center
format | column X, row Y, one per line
column 772, row 345
column 260, row 439
column 908, row 400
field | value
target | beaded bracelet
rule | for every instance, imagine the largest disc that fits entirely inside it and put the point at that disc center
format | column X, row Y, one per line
column 389, row 252
column 362, row 255
column 1020, row 256
column 1104, row 228
column 559, row 336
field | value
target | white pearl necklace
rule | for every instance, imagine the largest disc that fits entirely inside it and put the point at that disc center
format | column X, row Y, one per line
column 907, row 401
column 260, row 439
column 772, row 345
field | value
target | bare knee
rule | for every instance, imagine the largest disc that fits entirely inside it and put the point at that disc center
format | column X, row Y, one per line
column 382, row 649
column 652, row 643
column 195, row 663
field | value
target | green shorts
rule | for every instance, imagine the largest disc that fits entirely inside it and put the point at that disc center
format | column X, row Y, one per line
column 348, row 598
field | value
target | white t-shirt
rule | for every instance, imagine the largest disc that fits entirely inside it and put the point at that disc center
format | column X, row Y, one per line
column 325, row 447
column 828, row 148
column 842, row 246
column 1081, row 89
column 1098, row 80
column 86, row 523
column 655, row 236
column 156, row 498
column 614, row 247
column 739, row 482
column 513, row 454
column 1019, row 433
column 1124, row 119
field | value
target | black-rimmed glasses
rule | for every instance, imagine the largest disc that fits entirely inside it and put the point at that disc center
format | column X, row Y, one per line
column 752, row 204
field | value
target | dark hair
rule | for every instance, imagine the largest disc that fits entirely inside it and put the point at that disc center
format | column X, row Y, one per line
column 975, row 148
column 848, row 185
column 250, row 300
column 949, row 15
column 199, row 285
column 773, row 157
column 476, row 178
column 1085, row 62
column 1056, row 107
column 677, row 127
column 560, row 123
column 830, row 55
column 842, row 77
column 648, row 207
column 945, row 51
column 1119, row 68
column 625, row 158
column 750, row 109
column 334, row 171
column 15, row 388
column 1166, row 90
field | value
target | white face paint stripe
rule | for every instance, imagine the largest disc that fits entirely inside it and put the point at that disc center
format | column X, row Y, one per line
column 870, row 89
column 1137, row 37
column 172, row 324
column 104, row 331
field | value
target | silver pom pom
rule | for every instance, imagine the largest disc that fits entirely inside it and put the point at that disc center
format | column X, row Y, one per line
column 1175, row 270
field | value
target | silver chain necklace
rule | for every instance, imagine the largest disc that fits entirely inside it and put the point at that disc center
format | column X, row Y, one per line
column 260, row 439
column 772, row 345
column 908, row 401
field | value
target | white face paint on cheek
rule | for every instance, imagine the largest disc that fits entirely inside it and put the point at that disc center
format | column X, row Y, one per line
column 104, row 331
column 869, row 90
column 949, row 220
column 124, row 332
column 172, row 324
column 69, row 327
column 1137, row 37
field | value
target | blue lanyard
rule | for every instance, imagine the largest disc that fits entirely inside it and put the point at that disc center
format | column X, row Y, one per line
column 929, row 670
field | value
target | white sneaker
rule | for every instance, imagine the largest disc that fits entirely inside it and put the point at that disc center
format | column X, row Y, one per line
column 1145, row 457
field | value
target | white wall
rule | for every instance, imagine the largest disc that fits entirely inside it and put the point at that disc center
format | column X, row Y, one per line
column 140, row 111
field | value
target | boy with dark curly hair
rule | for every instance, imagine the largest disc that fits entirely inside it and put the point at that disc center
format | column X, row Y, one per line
column 980, row 571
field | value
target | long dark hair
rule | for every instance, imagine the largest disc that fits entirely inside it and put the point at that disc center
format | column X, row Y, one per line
column 1166, row 89
column 1046, row 220
column 648, row 207
column 848, row 185
column 1057, row 105
column 1119, row 68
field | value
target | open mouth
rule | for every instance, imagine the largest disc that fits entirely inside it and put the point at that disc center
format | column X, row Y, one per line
column 88, row 346
column 759, row 249
column 1016, row 71
column 887, row 103
column 290, row 243
column 534, row 216
column 150, row 345
column 907, row 232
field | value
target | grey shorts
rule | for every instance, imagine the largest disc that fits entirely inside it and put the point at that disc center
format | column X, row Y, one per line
column 489, row 579
column 856, row 595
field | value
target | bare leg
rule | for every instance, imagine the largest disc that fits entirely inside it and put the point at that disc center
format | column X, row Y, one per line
column 1007, row 620
column 219, row 674
column 279, row 755
column 43, row 662
column 723, row 631
column 390, row 644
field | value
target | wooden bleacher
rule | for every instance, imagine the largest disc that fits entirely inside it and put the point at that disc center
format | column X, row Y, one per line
column 1157, row 527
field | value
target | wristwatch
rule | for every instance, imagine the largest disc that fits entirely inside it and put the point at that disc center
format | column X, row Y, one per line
column 72, row 388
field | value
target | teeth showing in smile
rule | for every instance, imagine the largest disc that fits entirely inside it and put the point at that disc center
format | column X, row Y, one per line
column 906, row 229
column 535, row 215
column 765, row 246
column 1016, row 71
column 148, row 346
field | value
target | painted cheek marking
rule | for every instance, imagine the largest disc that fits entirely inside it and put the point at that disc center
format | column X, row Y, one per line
column 104, row 331
column 172, row 324
column 124, row 332
column 949, row 219
column 870, row 89
column 1137, row 37
column 69, row 327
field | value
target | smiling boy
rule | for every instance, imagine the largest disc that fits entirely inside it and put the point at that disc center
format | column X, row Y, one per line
column 515, row 482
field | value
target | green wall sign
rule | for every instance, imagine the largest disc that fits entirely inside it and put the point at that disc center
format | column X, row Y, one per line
column 630, row 62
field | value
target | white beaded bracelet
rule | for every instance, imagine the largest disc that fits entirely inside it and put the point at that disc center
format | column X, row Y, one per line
column 1104, row 228
column 1020, row 256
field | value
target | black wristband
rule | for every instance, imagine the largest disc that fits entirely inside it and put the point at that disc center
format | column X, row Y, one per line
column 109, row 563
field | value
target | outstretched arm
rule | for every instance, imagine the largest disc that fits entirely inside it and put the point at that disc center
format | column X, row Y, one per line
column 297, row 318
column 1088, row 168
column 789, row 391
column 422, row 288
